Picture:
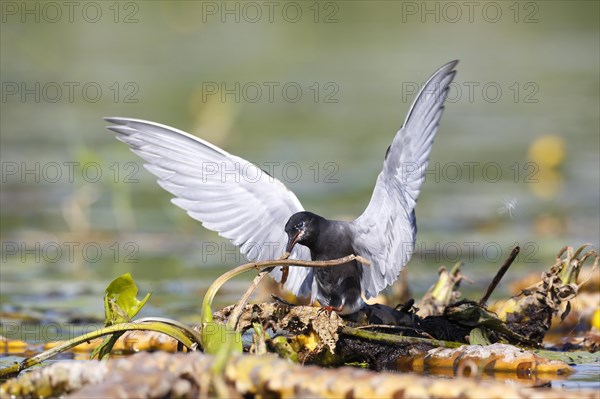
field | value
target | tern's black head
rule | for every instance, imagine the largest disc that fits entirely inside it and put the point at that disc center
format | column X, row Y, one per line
column 302, row 228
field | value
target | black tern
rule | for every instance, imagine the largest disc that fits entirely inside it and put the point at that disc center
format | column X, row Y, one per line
column 263, row 218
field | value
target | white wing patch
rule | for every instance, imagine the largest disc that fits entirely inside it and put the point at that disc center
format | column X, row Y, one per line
column 385, row 232
column 226, row 193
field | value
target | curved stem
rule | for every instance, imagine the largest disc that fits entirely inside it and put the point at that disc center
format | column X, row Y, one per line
column 123, row 327
column 189, row 331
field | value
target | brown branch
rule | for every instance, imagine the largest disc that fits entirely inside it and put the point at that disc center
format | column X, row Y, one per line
column 267, row 266
column 499, row 275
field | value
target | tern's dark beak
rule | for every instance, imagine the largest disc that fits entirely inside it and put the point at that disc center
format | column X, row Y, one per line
column 292, row 241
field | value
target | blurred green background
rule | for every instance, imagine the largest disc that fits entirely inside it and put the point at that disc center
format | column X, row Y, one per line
column 516, row 159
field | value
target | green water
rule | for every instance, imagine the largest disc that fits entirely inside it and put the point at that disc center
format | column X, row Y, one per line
column 77, row 208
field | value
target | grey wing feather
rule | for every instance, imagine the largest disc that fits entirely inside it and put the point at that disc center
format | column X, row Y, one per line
column 226, row 193
column 385, row 232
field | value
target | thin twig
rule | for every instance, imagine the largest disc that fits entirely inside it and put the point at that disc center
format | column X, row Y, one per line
column 239, row 307
column 282, row 301
column 384, row 327
column 396, row 339
column 499, row 275
column 232, row 322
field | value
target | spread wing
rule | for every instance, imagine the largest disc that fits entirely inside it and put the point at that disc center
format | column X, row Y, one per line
column 226, row 193
column 385, row 232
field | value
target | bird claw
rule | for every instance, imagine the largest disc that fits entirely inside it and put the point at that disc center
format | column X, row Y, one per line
column 329, row 310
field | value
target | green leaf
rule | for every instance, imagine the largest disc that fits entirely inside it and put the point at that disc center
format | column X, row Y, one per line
column 284, row 349
column 120, row 306
column 120, row 301
column 475, row 316
column 478, row 337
